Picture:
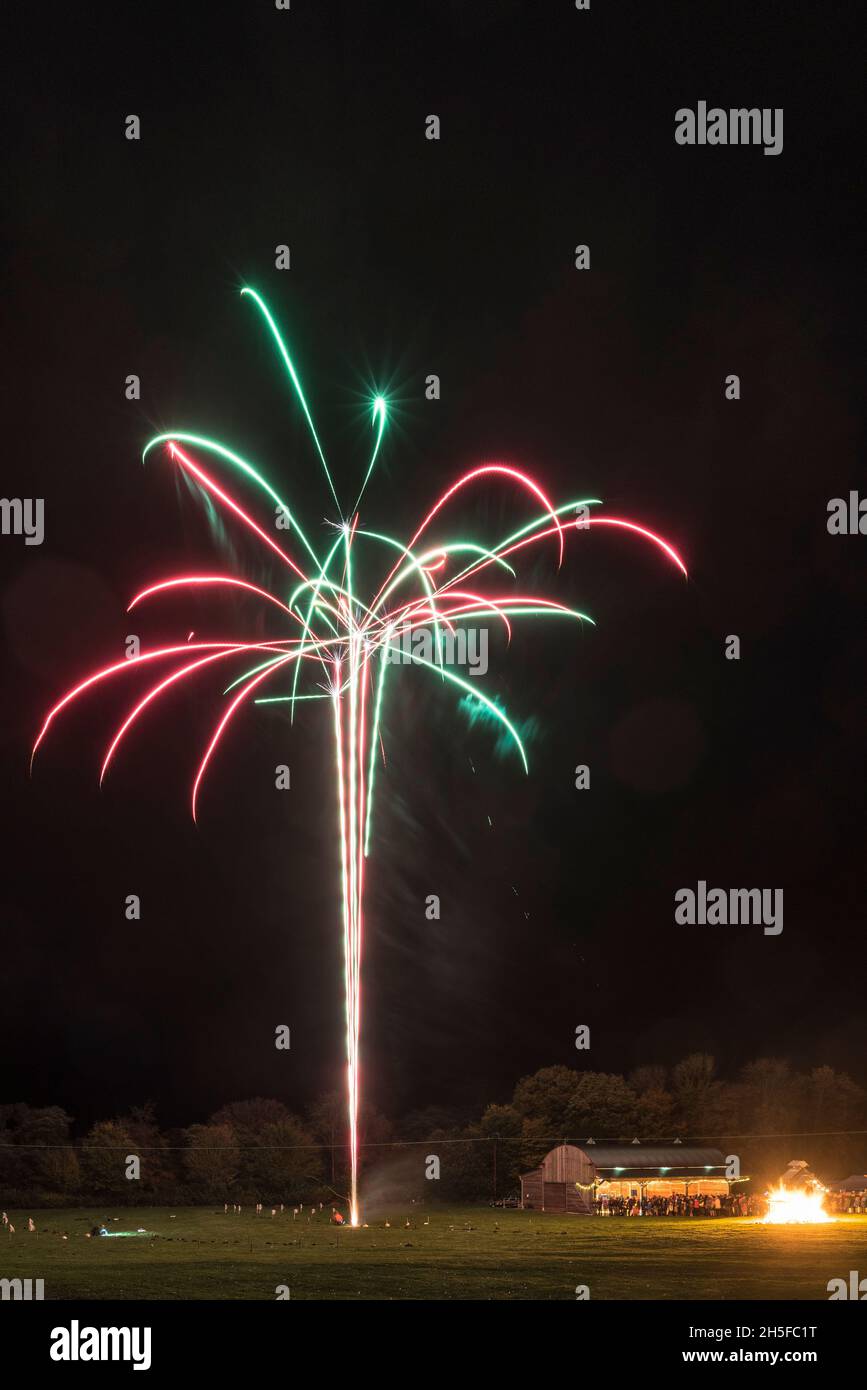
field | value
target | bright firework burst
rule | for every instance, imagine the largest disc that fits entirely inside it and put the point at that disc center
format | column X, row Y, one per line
column 337, row 636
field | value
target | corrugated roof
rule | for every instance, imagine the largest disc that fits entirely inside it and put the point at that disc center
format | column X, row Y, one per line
column 641, row 1157
column 624, row 1161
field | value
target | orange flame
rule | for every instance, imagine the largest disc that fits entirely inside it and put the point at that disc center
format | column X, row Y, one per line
column 795, row 1205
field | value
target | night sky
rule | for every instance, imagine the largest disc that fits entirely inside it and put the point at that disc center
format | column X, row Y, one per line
column 455, row 257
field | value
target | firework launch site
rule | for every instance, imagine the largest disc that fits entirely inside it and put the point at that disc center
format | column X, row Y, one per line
column 436, row 1252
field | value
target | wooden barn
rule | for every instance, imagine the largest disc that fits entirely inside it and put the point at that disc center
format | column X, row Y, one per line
column 562, row 1182
column 571, row 1177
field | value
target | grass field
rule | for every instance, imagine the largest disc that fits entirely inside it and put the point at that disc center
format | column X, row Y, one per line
column 464, row 1253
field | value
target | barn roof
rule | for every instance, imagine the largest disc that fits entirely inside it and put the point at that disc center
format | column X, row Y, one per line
column 641, row 1157
column 613, row 1161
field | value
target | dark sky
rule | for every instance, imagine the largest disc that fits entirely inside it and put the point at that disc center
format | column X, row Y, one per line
column 455, row 257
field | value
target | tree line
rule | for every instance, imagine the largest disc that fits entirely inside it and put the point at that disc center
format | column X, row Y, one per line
column 259, row 1150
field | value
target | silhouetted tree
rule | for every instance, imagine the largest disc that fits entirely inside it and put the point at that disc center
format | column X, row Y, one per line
column 103, row 1158
column 283, row 1163
column 692, row 1081
column 504, row 1122
column 603, row 1106
column 249, row 1117
column 212, row 1161
column 466, row 1168
column 35, row 1151
column 654, row 1114
column 545, row 1096
column 648, row 1078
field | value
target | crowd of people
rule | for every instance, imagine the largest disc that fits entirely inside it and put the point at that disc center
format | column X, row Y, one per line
column 846, row 1203
column 731, row 1204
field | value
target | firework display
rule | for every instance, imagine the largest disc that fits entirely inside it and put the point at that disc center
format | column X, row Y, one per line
column 337, row 639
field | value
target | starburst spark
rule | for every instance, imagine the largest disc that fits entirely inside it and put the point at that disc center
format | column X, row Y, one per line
column 342, row 640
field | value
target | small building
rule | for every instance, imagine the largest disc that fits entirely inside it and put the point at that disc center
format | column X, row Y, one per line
column 571, row 1177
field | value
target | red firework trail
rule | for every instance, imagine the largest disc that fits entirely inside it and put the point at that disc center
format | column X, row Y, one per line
column 338, row 635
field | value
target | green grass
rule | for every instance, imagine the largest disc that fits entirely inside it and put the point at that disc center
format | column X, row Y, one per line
column 464, row 1253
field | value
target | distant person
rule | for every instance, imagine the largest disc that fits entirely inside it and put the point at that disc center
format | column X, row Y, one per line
column 336, row 1217
column 31, row 1224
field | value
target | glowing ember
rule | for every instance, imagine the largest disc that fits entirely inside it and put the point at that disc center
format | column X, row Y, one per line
column 795, row 1206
